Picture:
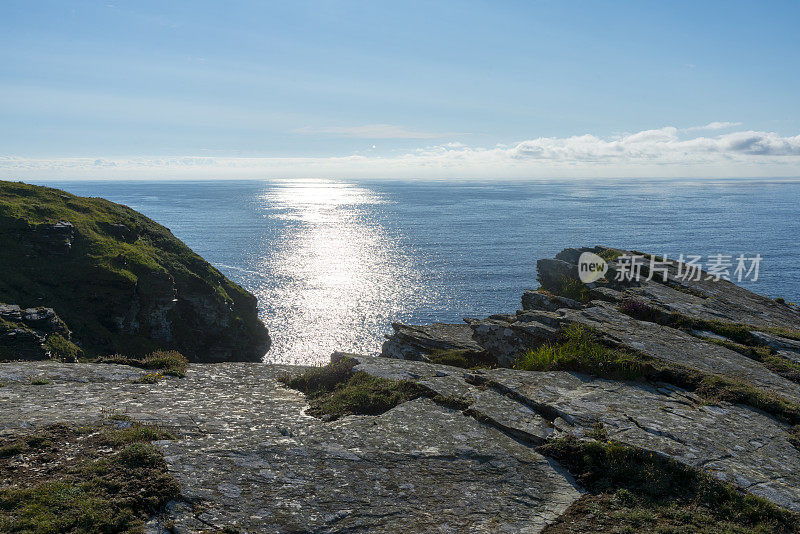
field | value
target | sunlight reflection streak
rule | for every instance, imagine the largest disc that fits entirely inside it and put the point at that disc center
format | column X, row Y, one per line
column 341, row 276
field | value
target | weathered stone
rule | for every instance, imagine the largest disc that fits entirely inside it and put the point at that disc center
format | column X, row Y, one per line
column 706, row 298
column 788, row 348
column 417, row 342
column 505, row 340
column 536, row 300
column 754, row 453
column 678, row 347
column 23, row 332
column 52, row 239
column 552, row 273
column 248, row 457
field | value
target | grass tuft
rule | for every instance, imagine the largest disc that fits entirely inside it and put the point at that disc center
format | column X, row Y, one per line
column 168, row 362
column 581, row 352
column 632, row 488
column 737, row 332
column 772, row 361
column 136, row 433
column 335, row 390
column 610, row 254
column 74, row 480
column 572, row 288
column 61, row 349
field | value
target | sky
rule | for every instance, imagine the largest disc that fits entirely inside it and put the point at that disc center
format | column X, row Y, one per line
column 431, row 90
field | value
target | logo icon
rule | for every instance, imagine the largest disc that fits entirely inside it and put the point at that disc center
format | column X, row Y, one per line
column 591, row 267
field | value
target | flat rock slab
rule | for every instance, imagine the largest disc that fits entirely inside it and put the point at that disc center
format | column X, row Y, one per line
column 676, row 346
column 735, row 443
column 507, row 339
column 247, row 456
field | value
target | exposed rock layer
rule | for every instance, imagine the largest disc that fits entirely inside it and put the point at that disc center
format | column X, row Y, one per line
column 24, row 333
column 248, row 457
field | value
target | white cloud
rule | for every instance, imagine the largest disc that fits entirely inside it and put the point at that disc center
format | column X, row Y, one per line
column 650, row 153
column 714, row 126
column 373, row 131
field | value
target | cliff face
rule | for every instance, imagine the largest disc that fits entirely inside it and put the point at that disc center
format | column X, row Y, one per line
column 121, row 282
column 680, row 413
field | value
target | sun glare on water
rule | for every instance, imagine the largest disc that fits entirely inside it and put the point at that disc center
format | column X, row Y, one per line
column 340, row 275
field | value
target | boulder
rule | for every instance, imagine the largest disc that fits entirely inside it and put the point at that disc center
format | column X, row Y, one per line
column 417, row 342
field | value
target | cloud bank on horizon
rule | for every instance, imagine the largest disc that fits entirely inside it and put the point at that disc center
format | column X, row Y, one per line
column 352, row 88
column 662, row 152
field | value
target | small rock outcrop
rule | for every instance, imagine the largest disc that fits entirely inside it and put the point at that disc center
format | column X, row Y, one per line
column 419, row 342
column 34, row 334
column 121, row 282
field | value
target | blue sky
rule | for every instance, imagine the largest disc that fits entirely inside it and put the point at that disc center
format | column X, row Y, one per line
column 429, row 89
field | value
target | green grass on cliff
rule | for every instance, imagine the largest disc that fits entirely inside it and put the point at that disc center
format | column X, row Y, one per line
column 580, row 351
column 739, row 337
column 571, row 288
column 772, row 361
column 118, row 260
column 335, row 390
column 70, row 479
column 631, row 490
column 737, row 332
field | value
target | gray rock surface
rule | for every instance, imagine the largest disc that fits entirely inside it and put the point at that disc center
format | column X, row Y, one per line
column 461, row 459
column 735, row 443
column 416, row 342
column 678, row 347
column 535, row 300
column 506, row 337
column 707, row 298
column 248, row 457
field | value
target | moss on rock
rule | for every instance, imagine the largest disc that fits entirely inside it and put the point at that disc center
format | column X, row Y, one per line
column 121, row 282
column 95, row 478
column 633, row 490
column 335, row 390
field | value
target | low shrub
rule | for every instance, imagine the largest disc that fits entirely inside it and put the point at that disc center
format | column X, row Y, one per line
column 169, row 362
column 61, row 349
column 88, row 484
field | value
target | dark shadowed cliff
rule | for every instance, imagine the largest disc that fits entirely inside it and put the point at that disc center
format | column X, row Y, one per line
column 119, row 281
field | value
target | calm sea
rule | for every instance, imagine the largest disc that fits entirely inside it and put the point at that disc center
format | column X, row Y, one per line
column 334, row 263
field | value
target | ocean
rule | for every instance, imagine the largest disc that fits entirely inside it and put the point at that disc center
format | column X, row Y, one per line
column 334, row 263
